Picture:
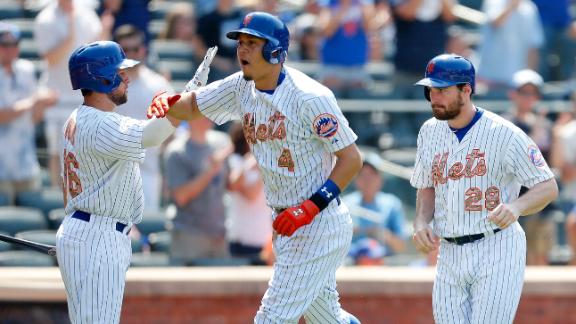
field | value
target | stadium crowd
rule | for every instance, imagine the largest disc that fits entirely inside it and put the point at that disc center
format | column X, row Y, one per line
column 204, row 198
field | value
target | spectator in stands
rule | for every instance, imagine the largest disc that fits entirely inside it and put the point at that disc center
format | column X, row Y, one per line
column 307, row 37
column 557, row 55
column 345, row 27
column 459, row 42
column 376, row 215
column 128, row 12
column 510, row 42
column 180, row 24
column 59, row 29
column 22, row 105
column 212, row 28
column 421, row 33
column 525, row 96
column 144, row 85
column 196, row 175
column 563, row 159
column 249, row 222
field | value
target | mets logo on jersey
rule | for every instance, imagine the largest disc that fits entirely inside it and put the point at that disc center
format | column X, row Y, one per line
column 325, row 125
column 536, row 156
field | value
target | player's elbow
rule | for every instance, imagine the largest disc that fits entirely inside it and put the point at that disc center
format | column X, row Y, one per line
column 356, row 161
column 553, row 190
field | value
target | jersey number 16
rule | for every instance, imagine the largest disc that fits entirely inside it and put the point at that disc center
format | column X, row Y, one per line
column 72, row 182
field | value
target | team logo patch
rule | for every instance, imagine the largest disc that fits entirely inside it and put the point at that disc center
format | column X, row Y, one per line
column 430, row 67
column 536, row 156
column 247, row 20
column 326, row 125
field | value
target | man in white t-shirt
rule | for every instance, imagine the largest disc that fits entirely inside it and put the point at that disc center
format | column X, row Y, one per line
column 59, row 29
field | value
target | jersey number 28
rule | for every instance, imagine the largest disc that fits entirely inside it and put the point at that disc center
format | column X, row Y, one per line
column 474, row 195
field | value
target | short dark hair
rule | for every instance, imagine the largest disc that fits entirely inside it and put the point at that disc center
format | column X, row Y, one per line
column 128, row 31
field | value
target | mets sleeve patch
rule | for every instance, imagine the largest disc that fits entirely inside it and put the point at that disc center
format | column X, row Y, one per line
column 536, row 156
column 325, row 125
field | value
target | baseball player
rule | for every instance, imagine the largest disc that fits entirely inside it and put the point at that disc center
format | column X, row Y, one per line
column 101, row 182
column 306, row 153
column 470, row 164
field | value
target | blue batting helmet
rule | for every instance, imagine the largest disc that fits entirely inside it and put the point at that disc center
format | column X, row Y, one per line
column 95, row 66
column 446, row 70
column 270, row 28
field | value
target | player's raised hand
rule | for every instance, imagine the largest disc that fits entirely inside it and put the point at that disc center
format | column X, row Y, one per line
column 425, row 240
column 504, row 215
column 161, row 104
column 200, row 78
column 292, row 218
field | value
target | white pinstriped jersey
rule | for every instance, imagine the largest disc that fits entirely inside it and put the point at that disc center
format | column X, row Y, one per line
column 102, row 153
column 292, row 132
column 473, row 176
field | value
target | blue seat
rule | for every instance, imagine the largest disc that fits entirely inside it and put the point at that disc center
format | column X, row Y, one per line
column 26, row 259
column 160, row 241
column 154, row 259
column 16, row 219
column 45, row 199
column 4, row 199
column 178, row 69
column 10, row 10
column 55, row 217
column 152, row 222
column 5, row 246
column 172, row 50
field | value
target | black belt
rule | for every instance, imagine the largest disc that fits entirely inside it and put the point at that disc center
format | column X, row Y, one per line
column 84, row 216
column 278, row 210
column 461, row 240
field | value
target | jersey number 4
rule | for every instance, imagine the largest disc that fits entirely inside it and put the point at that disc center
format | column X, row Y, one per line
column 474, row 196
column 285, row 160
column 72, row 182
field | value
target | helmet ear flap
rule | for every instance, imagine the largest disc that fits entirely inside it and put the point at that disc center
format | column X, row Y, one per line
column 273, row 55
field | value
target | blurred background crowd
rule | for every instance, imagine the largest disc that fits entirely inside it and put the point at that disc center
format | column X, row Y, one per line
column 204, row 199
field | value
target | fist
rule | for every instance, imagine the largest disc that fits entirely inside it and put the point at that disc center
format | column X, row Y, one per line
column 293, row 218
column 160, row 105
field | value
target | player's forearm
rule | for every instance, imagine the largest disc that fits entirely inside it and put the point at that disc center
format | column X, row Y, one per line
column 535, row 199
column 448, row 10
column 348, row 164
column 192, row 189
column 186, row 107
column 499, row 20
column 408, row 9
column 59, row 52
column 396, row 243
column 156, row 131
column 9, row 114
column 424, row 207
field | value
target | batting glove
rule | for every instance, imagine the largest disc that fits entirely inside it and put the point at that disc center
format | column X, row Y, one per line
column 201, row 76
column 160, row 105
column 292, row 218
